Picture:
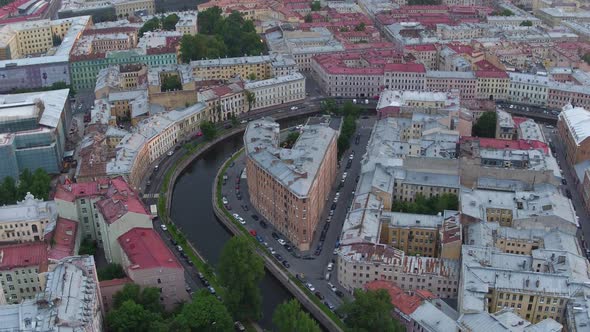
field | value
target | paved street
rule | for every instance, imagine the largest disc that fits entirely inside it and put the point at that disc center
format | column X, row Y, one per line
column 314, row 270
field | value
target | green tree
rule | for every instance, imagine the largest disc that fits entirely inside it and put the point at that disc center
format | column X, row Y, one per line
column 586, row 58
column 171, row 82
column 41, row 184
column 150, row 299
column 360, row 27
column 329, row 105
column 25, row 183
column 432, row 205
column 308, row 18
column 290, row 140
column 150, row 25
column 315, row 6
column 252, row 76
column 204, row 313
column 8, row 191
column 251, row 99
column 209, row 20
column 130, row 316
column 485, row 125
column 526, row 23
column 169, row 22
column 504, row 12
column 370, row 311
column 208, row 129
column 111, row 271
column 288, row 317
column 87, row 247
column 240, row 271
column 344, row 29
column 234, row 120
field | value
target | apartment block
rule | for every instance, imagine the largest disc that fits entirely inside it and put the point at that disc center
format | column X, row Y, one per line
column 105, row 210
column 418, row 310
column 69, row 299
column 258, row 67
column 148, row 262
column 400, row 103
column 447, row 81
column 289, row 187
column 20, row 267
column 277, row 90
column 504, row 320
column 26, row 220
column 573, row 126
column 118, row 78
column 538, row 209
column 505, row 126
column 33, row 131
column 180, row 96
column 536, row 287
column 225, row 101
column 492, row 84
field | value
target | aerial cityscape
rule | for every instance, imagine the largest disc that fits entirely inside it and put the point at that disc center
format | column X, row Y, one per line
column 295, row 165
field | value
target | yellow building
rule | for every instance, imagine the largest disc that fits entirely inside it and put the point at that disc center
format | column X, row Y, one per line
column 415, row 234
column 129, row 7
column 258, row 67
column 492, row 85
column 26, row 221
column 30, row 38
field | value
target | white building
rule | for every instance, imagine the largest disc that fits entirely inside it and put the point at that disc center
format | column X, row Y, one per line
column 277, row 91
column 70, row 301
column 528, row 89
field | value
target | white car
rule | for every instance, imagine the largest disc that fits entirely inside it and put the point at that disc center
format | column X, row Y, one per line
column 351, row 157
column 243, row 121
column 237, row 216
column 335, row 199
column 282, row 242
column 344, row 175
column 310, row 287
column 163, row 227
column 332, row 287
column 242, row 221
column 169, row 153
column 294, row 108
column 224, row 201
column 272, row 251
column 330, row 266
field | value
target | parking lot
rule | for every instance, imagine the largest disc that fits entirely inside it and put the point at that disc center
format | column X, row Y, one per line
column 314, row 266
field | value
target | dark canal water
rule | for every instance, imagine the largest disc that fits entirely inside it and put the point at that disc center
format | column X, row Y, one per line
column 193, row 214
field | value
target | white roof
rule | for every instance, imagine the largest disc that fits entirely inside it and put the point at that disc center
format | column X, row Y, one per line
column 24, row 105
column 577, row 120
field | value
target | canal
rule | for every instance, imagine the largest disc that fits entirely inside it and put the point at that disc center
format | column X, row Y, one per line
column 192, row 212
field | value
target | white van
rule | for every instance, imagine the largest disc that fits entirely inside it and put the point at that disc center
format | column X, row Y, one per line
column 328, row 275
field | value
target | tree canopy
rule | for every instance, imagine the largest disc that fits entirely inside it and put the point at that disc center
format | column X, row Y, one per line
column 169, row 22
column 526, row 23
column 370, row 311
column 315, row 6
column 485, row 125
column 240, row 271
column 219, row 36
column 110, row 272
column 131, row 316
column 204, row 313
column 586, row 58
column 37, row 183
column 289, row 317
column 171, row 83
column 208, row 129
column 432, row 205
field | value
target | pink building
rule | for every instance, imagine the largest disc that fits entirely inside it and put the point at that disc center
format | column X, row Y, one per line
column 148, row 262
column 404, row 76
column 109, row 288
column 445, row 81
column 65, row 239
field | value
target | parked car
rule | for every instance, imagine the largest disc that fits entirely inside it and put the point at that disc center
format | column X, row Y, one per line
column 286, row 264
column 288, row 247
column 332, row 287
column 255, row 217
column 163, row 227
column 239, row 326
column 211, row 290
column 329, row 305
column 330, row 266
column 263, row 224
column 169, row 153
column 563, row 181
column 275, row 236
column 294, row 108
column 310, row 287
column 282, row 242
column 179, row 248
column 319, row 296
column 339, row 293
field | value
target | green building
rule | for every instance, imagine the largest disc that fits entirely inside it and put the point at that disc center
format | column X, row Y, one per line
column 84, row 69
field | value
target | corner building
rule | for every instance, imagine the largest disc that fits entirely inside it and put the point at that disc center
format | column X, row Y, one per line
column 289, row 187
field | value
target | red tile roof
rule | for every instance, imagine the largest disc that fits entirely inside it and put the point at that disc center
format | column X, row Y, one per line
column 23, row 255
column 405, row 67
column 406, row 303
column 490, row 74
column 64, row 239
column 117, row 198
column 115, row 282
column 421, row 48
column 145, row 250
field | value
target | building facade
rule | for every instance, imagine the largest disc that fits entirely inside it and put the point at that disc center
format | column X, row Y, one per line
column 276, row 91
column 20, row 266
column 27, row 220
column 33, row 131
column 573, row 126
column 289, row 187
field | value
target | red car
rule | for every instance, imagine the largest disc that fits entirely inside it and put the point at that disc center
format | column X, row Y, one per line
column 252, row 232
